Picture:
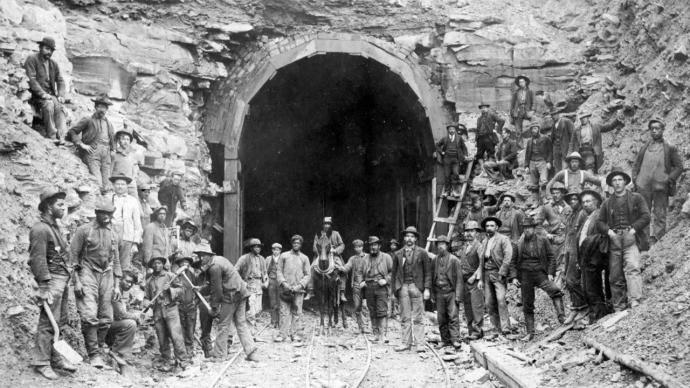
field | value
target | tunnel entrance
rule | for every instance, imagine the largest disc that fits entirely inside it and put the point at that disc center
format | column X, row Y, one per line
column 338, row 135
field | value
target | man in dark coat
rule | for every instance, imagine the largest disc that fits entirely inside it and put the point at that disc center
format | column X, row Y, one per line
column 170, row 194
column 48, row 88
column 451, row 149
column 592, row 261
column 624, row 217
column 521, row 104
column 657, row 168
column 472, row 264
column 506, row 158
column 448, row 292
column 587, row 140
column 412, row 285
column 538, row 156
column 489, row 125
column 561, row 133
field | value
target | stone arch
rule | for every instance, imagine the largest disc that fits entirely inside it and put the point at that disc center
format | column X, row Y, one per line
column 229, row 101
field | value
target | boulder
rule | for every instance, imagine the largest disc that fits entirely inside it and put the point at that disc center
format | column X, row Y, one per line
column 457, row 38
column 10, row 12
column 231, row 28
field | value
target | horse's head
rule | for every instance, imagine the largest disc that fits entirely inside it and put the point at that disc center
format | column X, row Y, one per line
column 326, row 252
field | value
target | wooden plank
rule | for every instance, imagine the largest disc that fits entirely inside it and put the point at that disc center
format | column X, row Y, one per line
column 445, row 220
column 232, row 207
column 509, row 370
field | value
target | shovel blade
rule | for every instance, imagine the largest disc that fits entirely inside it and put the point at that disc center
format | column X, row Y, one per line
column 66, row 351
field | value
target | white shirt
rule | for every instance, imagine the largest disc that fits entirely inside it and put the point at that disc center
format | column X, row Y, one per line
column 127, row 217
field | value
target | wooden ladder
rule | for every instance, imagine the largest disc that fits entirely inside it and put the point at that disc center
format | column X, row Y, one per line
column 452, row 219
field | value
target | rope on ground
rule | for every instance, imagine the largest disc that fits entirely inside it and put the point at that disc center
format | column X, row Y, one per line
column 368, row 365
column 234, row 357
column 443, row 364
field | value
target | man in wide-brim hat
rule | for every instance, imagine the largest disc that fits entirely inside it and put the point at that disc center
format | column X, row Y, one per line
column 489, row 125
column 624, row 216
column 376, row 272
column 561, row 133
column 449, row 150
column 156, row 236
column 584, row 276
column 123, row 159
column 447, row 284
column 252, row 269
column 521, row 104
column 188, row 303
column 472, row 260
column 586, row 139
column 293, row 276
column 412, row 286
column 48, row 88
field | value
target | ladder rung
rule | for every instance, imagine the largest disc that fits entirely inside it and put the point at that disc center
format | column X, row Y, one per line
column 448, row 220
column 452, row 199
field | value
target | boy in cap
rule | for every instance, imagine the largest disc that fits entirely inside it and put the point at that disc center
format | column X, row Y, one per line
column 51, row 267
column 166, row 315
column 273, row 286
column 252, row 269
column 188, row 303
column 293, row 276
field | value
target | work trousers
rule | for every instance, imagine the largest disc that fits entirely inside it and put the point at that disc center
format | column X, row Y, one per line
column 411, row 315
column 125, row 252
column 95, row 307
column 53, row 118
column 120, row 337
column 657, row 201
column 624, row 267
column 495, row 300
column 448, row 317
column 358, row 310
column 536, row 279
column 188, row 322
column 206, row 325
column 538, row 174
column 255, row 299
column 99, row 163
column 233, row 314
column 559, row 252
column 448, row 170
column 594, row 287
column 473, row 302
column 589, row 158
column 499, row 170
column 377, row 301
column 43, row 348
column 169, row 330
column 291, row 317
column 274, row 301
column 574, row 284
column 485, row 145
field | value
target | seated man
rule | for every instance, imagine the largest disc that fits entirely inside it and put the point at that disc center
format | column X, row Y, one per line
column 120, row 337
column 506, row 158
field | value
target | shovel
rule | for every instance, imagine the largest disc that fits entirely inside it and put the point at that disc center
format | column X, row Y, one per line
column 61, row 346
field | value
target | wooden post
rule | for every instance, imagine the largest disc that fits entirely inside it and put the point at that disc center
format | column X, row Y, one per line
column 232, row 217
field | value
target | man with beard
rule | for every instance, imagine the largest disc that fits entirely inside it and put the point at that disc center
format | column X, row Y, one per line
column 577, row 298
column 538, row 159
column 412, row 274
column 448, row 292
column 489, row 125
column 451, row 150
column 657, row 168
column 556, row 214
column 592, row 256
column 51, row 267
column 95, row 137
column 94, row 250
column 376, row 277
column 332, row 237
column 497, row 253
column 126, row 219
column 48, row 88
column 472, row 264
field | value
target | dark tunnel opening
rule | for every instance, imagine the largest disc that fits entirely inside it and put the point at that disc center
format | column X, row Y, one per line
column 335, row 135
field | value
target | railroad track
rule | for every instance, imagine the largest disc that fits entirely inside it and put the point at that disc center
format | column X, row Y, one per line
column 227, row 365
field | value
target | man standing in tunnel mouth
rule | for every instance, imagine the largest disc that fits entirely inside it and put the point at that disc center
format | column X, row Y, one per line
column 327, row 236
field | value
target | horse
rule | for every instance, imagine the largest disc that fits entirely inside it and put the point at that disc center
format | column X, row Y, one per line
column 326, row 284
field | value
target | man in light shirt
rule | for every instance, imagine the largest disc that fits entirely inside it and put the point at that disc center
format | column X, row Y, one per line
column 126, row 219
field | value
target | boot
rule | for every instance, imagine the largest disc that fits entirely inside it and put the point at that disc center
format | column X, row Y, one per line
column 90, row 339
column 47, row 372
column 558, row 306
column 102, row 333
column 384, row 325
column 529, row 327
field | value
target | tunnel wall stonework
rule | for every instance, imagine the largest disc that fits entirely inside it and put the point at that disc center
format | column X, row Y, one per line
column 229, row 101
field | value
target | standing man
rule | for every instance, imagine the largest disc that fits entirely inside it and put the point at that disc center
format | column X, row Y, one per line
column 126, row 219
column 332, row 237
column 273, row 285
column 252, row 269
column 448, row 292
column 506, row 158
column 521, row 104
column 472, row 264
column 497, row 252
column 95, row 137
column 587, row 140
column 570, row 252
column 592, row 255
column 48, row 88
column 145, row 206
column 657, row 168
column 377, row 269
column 489, row 125
column 573, row 177
column 624, row 217
column 450, row 149
column 293, row 277
column 511, row 217
column 561, row 133
column 156, row 240
column 536, row 267
column 170, row 194
column 123, row 161
column 228, row 300
column 538, row 159
column 355, row 264
column 188, row 239
column 556, row 214
column 412, row 273
column 51, row 267
column 120, row 337
column 188, row 305
column 94, row 250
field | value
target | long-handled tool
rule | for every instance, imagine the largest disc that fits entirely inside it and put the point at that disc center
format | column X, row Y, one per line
column 201, row 298
column 177, row 273
column 61, row 346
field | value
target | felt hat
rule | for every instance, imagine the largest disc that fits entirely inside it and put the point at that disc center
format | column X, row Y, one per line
column 119, row 176
column 489, row 200
column 159, row 209
column 179, row 258
column 204, row 248
column 394, row 241
column 508, row 129
column 254, row 242
column 177, row 171
column 47, row 42
column 105, row 206
column 522, row 76
column 484, row 104
column 572, row 194
column 153, row 259
column 494, row 219
column 51, row 192
column 186, row 222
column 410, row 229
column 529, row 222
column 617, row 171
column 584, row 114
column 559, row 186
column 358, row 243
column 472, row 225
column 123, row 132
column 373, row 240
column 573, row 155
column 442, row 239
column 452, row 125
column 102, row 100
column 143, row 186
column 328, row 220
column 656, row 120
column 297, row 237
column 507, row 194
column 534, row 124
column 555, row 109
column 592, row 193
column 276, row 246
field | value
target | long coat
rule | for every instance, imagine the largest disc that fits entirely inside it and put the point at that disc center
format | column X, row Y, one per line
column 501, row 254
column 421, row 268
